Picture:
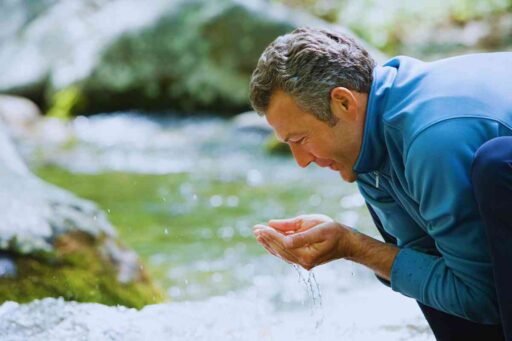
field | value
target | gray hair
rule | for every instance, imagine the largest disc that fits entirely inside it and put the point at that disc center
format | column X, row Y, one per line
column 307, row 64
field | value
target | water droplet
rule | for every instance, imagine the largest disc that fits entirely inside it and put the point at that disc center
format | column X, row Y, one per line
column 314, row 293
column 216, row 201
column 226, row 232
column 166, row 231
column 254, row 177
column 232, row 201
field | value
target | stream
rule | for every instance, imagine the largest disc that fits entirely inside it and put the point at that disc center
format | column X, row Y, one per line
column 184, row 193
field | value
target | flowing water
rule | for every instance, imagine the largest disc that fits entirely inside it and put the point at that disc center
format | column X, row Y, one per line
column 184, row 193
column 315, row 295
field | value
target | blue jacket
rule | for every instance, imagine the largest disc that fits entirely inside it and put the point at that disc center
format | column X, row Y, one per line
column 424, row 123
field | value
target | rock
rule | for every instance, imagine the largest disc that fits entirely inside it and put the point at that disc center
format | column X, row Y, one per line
column 181, row 55
column 61, row 245
column 250, row 121
column 364, row 314
column 18, row 113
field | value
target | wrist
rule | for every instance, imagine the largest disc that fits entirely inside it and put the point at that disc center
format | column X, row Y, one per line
column 349, row 242
column 372, row 253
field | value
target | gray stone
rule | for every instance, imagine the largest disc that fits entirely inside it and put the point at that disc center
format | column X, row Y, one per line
column 34, row 213
column 252, row 122
column 18, row 113
column 241, row 318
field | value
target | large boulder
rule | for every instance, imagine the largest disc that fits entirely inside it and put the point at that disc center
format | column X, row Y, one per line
column 55, row 244
column 188, row 55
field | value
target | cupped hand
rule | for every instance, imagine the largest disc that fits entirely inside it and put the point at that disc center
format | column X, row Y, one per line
column 298, row 224
column 309, row 241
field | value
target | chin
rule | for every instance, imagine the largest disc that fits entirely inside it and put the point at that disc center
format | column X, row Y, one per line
column 351, row 177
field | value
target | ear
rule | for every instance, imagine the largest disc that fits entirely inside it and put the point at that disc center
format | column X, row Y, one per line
column 343, row 103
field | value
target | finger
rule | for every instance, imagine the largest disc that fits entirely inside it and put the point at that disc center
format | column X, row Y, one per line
column 308, row 221
column 267, row 247
column 303, row 239
column 275, row 241
column 266, row 236
column 273, row 236
column 279, row 243
column 282, row 252
column 258, row 228
column 260, row 240
column 283, row 225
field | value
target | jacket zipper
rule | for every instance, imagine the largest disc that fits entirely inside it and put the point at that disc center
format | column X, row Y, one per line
column 376, row 174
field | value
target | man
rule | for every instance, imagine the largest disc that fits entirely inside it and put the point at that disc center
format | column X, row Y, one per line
column 429, row 147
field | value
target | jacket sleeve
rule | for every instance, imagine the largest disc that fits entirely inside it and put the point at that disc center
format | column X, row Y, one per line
column 393, row 216
column 437, row 171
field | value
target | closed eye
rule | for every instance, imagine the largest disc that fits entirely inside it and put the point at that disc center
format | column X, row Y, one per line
column 299, row 141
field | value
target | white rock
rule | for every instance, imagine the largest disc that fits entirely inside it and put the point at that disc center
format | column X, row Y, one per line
column 18, row 112
column 251, row 121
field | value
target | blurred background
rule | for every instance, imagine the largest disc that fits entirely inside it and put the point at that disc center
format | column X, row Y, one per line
column 142, row 107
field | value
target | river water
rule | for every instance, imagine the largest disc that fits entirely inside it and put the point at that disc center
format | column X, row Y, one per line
column 214, row 272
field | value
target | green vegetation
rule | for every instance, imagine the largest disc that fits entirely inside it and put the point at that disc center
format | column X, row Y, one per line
column 425, row 28
column 76, row 271
column 205, row 66
column 66, row 102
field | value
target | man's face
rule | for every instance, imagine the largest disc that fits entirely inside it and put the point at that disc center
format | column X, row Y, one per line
column 312, row 140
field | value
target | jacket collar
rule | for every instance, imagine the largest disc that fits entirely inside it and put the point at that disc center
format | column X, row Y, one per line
column 373, row 148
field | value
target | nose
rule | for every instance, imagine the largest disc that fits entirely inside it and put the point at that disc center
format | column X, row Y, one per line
column 302, row 157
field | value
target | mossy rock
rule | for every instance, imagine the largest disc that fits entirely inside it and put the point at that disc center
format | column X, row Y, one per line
column 78, row 271
column 54, row 244
column 199, row 56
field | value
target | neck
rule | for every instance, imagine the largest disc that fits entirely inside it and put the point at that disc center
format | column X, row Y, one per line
column 362, row 99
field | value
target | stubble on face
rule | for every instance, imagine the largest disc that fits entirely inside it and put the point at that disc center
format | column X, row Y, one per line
column 335, row 143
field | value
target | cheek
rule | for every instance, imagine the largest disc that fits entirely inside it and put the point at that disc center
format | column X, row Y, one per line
column 323, row 150
column 337, row 152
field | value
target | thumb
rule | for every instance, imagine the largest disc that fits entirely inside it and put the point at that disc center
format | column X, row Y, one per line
column 303, row 239
column 290, row 224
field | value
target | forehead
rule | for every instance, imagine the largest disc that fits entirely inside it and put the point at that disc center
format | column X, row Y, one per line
column 284, row 115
